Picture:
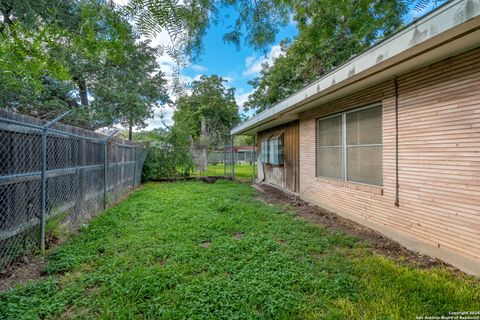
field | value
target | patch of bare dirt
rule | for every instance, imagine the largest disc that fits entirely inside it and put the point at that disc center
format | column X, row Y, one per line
column 205, row 244
column 68, row 314
column 25, row 270
column 238, row 235
column 380, row 244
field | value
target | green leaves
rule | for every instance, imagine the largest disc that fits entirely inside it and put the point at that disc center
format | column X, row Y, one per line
column 207, row 115
column 127, row 91
column 82, row 55
column 330, row 33
column 32, row 81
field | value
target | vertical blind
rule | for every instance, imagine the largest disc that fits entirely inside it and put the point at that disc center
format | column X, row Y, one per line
column 349, row 146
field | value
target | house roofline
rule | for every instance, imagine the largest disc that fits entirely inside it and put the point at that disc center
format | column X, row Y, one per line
column 420, row 43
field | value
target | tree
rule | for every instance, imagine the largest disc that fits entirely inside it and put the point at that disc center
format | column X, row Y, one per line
column 128, row 92
column 56, row 54
column 330, row 32
column 186, row 23
column 98, row 41
column 81, row 55
column 204, row 118
column 32, row 81
column 244, row 140
column 31, row 13
column 164, row 160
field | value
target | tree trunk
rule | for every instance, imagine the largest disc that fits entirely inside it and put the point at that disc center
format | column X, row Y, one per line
column 130, row 132
column 82, row 89
column 199, row 154
column 204, row 157
column 204, row 143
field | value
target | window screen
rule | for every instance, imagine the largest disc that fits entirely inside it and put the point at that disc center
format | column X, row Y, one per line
column 280, row 154
column 364, row 146
column 361, row 148
column 273, row 147
column 264, row 151
column 329, row 148
column 276, row 148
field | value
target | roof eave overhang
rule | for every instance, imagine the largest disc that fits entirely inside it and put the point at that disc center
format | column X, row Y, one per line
column 452, row 29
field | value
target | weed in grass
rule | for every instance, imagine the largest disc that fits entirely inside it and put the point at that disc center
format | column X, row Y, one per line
column 211, row 251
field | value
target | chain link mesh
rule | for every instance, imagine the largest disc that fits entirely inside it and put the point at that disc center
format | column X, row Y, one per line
column 84, row 174
column 169, row 162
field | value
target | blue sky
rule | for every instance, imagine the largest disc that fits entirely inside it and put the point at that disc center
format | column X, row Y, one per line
column 238, row 66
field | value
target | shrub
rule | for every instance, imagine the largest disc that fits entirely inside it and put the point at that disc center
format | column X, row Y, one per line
column 166, row 162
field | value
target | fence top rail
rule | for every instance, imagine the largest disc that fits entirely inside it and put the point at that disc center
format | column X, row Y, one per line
column 65, row 130
column 41, row 128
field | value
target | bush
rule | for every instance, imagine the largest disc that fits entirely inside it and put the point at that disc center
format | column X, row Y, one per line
column 167, row 162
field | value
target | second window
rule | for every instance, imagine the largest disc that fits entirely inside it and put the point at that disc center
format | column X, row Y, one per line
column 349, row 146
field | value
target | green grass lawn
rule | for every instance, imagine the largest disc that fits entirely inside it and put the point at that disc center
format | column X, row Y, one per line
column 243, row 171
column 191, row 250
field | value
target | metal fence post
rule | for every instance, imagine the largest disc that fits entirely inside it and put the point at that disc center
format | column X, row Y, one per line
column 43, row 179
column 43, row 187
column 105, row 167
column 134, row 166
column 105, row 171
column 224, row 158
column 233, row 157
column 254, row 158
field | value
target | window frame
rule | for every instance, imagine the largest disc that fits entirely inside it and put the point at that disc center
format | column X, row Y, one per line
column 279, row 137
column 265, row 152
column 274, row 155
column 271, row 150
column 344, row 145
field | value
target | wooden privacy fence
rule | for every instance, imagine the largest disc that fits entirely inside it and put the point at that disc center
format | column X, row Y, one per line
column 53, row 174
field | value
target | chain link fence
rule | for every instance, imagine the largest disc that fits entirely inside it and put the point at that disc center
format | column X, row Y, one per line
column 169, row 162
column 57, row 176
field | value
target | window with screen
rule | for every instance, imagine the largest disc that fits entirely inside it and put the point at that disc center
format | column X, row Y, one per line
column 264, row 151
column 276, row 149
column 272, row 149
column 364, row 146
column 329, row 147
column 349, row 146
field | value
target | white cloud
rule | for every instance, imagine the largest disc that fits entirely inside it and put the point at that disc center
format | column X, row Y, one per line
column 229, row 80
column 253, row 64
column 190, row 79
column 121, row 2
column 241, row 99
column 162, row 116
column 198, row 68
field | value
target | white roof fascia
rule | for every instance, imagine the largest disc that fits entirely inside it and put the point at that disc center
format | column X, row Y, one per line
column 427, row 32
